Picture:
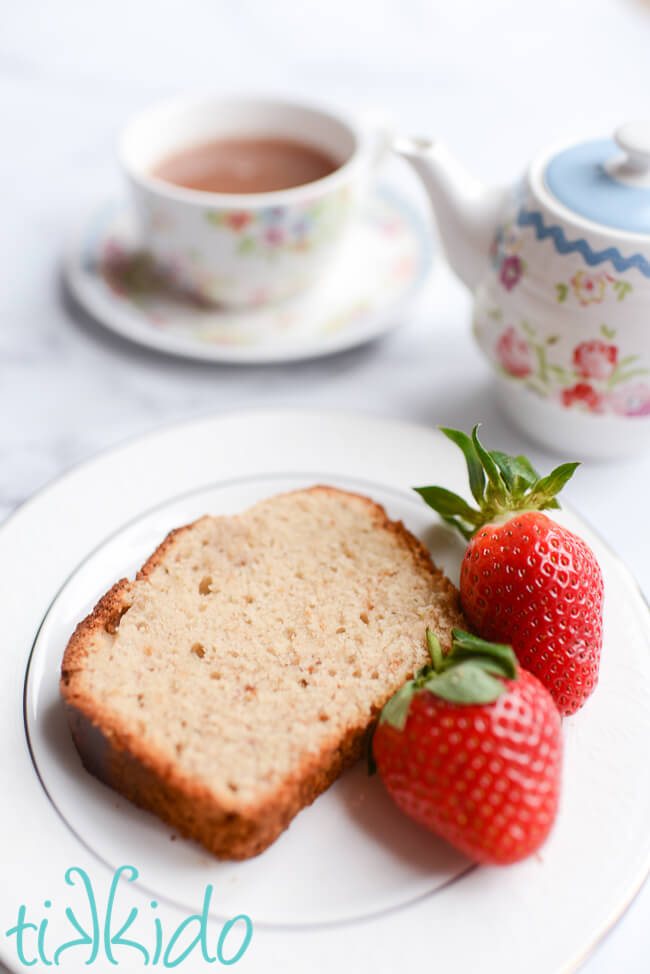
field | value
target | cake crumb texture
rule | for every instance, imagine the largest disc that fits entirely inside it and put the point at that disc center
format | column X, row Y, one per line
column 239, row 674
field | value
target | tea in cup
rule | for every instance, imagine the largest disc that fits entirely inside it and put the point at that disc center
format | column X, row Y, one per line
column 241, row 201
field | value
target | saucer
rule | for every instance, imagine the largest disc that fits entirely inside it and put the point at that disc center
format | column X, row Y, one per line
column 367, row 290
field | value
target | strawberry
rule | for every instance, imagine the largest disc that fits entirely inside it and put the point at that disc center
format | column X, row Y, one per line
column 525, row 579
column 472, row 749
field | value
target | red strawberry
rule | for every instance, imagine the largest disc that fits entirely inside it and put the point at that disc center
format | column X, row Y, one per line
column 525, row 579
column 472, row 749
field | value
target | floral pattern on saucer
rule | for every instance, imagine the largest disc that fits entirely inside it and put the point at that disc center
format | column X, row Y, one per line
column 383, row 263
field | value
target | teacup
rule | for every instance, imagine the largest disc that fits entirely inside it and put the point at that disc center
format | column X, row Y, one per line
column 243, row 250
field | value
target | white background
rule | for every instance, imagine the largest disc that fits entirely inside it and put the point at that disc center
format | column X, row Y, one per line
column 496, row 79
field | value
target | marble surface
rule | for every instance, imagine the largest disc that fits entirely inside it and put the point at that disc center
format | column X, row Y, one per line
column 496, row 80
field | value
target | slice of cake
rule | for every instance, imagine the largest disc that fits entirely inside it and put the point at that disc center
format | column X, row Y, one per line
column 238, row 675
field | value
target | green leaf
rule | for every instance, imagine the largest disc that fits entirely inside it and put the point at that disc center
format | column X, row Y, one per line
column 246, row 245
column 525, row 465
column 466, row 530
column 465, row 645
column 448, row 504
column 466, row 683
column 562, row 374
column 423, row 673
column 529, row 330
column 547, row 487
column 539, row 390
column 562, row 291
column 517, row 472
column 607, row 332
column 435, row 650
column 494, row 667
column 491, row 469
column 214, row 217
column 622, row 288
column 627, row 360
column 503, row 462
column 472, row 459
column 624, row 376
column 542, row 363
column 396, row 710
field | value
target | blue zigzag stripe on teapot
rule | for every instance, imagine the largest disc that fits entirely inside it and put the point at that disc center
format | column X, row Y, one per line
column 533, row 218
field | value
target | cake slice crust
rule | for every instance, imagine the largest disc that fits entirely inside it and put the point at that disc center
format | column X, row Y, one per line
column 238, row 675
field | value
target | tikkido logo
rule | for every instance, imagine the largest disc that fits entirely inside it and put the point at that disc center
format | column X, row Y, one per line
column 95, row 935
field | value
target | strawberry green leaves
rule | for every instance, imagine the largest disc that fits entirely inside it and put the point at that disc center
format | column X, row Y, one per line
column 500, row 484
column 452, row 509
column 466, row 683
column 472, row 673
column 396, row 710
column 518, row 473
column 473, row 460
column 497, row 657
column 542, row 494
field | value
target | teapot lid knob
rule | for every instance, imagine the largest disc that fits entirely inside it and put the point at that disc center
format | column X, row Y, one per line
column 634, row 139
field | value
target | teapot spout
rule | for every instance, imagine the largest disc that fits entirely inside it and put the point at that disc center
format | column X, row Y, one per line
column 466, row 213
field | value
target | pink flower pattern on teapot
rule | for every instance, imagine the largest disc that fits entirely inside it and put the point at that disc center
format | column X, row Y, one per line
column 514, row 354
column 595, row 359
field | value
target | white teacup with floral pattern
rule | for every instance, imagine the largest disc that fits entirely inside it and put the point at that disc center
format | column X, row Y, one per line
column 252, row 249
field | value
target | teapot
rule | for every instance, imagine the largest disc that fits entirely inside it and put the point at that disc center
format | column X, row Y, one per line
column 560, row 270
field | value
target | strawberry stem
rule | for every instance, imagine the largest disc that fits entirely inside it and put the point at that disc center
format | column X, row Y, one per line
column 472, row 673
column 500, row 485
column 435, row 651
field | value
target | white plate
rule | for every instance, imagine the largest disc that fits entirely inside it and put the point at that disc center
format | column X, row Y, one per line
column 351, row 886
column 355, row 815
column 366, row 291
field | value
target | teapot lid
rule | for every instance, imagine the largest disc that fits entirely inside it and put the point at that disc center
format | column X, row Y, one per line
column 607, row 180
